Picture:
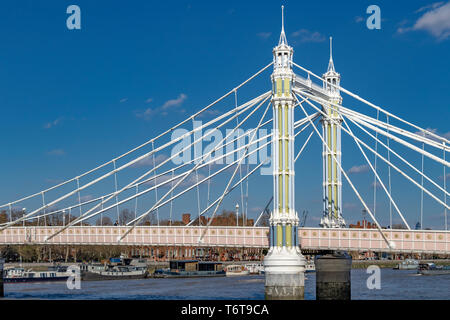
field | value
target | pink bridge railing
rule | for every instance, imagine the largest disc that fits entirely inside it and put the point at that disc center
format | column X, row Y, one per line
column 427, row 241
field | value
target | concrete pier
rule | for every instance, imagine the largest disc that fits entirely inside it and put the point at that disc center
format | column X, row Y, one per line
column 333, row 279
column 285, row 275
column 2, row 293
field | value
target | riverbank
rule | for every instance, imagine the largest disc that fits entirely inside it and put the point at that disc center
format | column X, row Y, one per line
column 153, row 265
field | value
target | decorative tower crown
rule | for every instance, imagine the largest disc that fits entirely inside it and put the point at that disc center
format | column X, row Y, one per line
column 331, row 76
column 282, row 53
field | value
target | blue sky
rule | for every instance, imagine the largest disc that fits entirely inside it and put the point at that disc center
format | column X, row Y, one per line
column 73, row 99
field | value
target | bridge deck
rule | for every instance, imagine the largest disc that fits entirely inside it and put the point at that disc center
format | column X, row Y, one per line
column 426, row 241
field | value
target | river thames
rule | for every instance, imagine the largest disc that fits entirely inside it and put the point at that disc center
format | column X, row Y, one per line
column 395, row 285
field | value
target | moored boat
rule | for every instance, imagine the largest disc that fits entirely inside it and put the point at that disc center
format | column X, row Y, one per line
column 429, row 268
column 236, row 270
column 255, row 268
column 116, row 269
column 310, row 266
column 190, row 269
column 18, row 274
column 407, row 264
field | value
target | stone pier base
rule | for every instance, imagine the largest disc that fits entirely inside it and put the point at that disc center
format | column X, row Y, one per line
column 285, row 275
column 333, row 280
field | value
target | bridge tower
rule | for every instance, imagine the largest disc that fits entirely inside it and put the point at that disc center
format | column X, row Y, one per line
column 284, row 263
column 332, row 181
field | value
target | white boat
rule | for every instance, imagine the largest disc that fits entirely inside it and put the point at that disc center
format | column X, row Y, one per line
column 255, row 268
column 55, row 273
column 310, row 266
column 236, row 270
column 407, row 264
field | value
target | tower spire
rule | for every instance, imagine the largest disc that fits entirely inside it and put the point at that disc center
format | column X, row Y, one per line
column 331, row 63
column 283, row 39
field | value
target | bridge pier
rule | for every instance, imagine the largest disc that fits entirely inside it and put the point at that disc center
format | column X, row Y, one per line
column 285, row 275
column 2, row 293
column 333, row 279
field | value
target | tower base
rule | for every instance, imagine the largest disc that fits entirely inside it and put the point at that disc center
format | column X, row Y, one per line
column 285, row 274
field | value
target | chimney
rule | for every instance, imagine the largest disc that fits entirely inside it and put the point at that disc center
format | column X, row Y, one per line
column 186, row 218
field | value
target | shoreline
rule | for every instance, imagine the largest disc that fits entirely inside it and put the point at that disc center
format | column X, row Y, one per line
column 152, row 265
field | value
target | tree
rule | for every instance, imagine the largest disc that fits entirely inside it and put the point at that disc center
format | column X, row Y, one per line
column 104, row 221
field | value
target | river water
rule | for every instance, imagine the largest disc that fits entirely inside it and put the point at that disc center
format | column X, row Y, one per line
column 395, row 284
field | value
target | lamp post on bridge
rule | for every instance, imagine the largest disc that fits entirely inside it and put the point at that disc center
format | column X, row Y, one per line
column 284, row 264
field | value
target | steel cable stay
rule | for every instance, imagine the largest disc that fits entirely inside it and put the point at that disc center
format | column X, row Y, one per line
column 377, row 177
column 390, row 163
column 210, row 176
column 390, row 245
column 26, row 218
column 195, row 167
column 375, row 171
column 403, row 142
column 296, row 125
column 146, row 143
column 389, row 127
column 238, row 166
column 156, row 188
column 175, row 178
column 220, row 199
column 389, row 175
column 356, row 122
column 148, row 172
column 355, row 96
column 314, row 116
column 264, row 96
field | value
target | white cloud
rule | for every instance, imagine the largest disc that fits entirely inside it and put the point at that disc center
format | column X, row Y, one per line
column 434, row 131
column 435, row 20
column 148, row 161
column 375, row 184
column 264, row 35
column 359, row 169
column 164, row 109
column 53, row 123
column 86, row 198
column 174, row 102
column 123, row 100
column 359, row 19
column 304, row 35
column 56, row 152
column 430, row 6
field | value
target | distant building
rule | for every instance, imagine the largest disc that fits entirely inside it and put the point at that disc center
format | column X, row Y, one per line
column 363, row 225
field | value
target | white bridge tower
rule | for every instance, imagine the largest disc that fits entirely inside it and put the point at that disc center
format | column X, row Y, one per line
column 332, row 181
column 284, row 263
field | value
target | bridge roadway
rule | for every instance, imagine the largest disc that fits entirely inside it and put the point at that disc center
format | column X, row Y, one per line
column 419, row 241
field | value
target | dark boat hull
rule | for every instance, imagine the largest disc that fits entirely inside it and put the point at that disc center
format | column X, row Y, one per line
column 93, row 276
column 21, row 280
column 194, row 274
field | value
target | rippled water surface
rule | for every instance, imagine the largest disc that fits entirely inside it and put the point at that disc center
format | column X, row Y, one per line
column 395, row 284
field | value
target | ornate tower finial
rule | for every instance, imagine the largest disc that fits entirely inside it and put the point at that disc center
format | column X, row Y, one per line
column 283, row 39
column 331, row 63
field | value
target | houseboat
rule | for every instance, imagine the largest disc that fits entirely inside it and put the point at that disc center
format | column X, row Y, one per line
column 116, row 269
column 18, row 274
column 255, row 268
column 190, row 268
column 429, row 268
column 310, row 266
column 407, row 264
column 236, row 270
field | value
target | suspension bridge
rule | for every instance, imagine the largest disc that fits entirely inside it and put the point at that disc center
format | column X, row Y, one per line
column 299, row 101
